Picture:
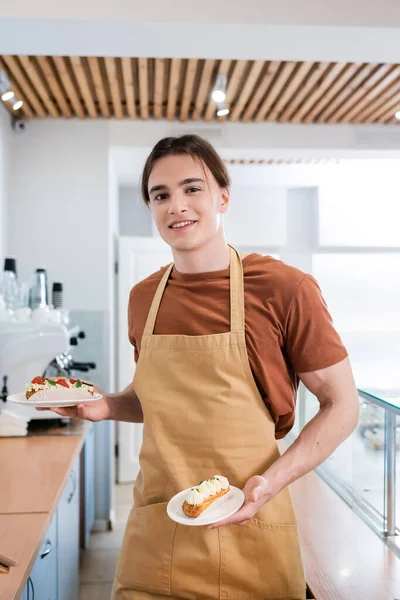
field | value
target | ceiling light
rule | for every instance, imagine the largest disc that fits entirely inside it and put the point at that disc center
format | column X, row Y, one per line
column 7, row 96
column 218, row 96
column 219, row 91
column 397, row 115
column 222, row 112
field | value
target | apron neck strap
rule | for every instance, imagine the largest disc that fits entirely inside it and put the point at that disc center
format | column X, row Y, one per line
column 236, row 295
column 155, row 305
column 236, row 291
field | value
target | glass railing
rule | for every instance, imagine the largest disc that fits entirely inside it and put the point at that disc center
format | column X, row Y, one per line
column 363, row 469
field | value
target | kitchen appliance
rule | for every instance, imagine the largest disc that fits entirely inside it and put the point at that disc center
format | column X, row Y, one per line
column 25, row 350
column 9, row 283
column 57, row 294
column 64, row 364
column 39, row 289
column 29, row 349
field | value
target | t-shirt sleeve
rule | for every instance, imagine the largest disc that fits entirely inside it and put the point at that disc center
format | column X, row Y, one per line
column 312, row 343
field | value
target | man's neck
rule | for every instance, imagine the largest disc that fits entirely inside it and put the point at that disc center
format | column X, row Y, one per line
column 213, row 256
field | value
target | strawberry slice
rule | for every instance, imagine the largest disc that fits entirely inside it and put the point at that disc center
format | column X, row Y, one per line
column 62, row 382
column 73, row 381
column 38, row 380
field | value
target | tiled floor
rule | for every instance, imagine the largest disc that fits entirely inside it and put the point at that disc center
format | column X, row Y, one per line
column 99, row 560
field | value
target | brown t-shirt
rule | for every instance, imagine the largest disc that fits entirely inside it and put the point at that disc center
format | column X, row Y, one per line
column 288, row 327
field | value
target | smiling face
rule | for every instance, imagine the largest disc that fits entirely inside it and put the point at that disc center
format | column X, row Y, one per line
column 186, row 202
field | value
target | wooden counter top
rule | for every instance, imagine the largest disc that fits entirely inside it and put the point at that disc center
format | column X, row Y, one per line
column 20, row 537
column 33, row 474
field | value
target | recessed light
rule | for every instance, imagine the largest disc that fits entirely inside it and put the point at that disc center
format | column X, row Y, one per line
column 397, row 115
column 218, row 96
column 7, row 96
column 219, row 92
column 223, row 112
column 17, row 105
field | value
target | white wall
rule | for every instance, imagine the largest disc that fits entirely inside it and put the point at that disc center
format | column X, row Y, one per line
column 361, row 207
column 261, row 140
column 131, row 142
column 113, row 220
column 253, row 11
column 257, row 29
column 256, row 216
column 134, row 217
column 363, row 289
column 5, row 163
column 59, row 208
column 63, row 214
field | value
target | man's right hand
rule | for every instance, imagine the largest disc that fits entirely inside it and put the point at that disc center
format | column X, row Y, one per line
column 98, row 410
column 121, row 406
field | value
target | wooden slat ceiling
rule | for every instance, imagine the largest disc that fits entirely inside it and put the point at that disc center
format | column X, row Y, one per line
column 283, row 161
column 180, row 89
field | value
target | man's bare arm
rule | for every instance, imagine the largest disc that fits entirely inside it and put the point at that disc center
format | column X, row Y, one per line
column 125, row 406
column 334, row 422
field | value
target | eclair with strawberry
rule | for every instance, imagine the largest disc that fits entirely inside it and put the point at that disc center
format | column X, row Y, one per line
column 40, row 384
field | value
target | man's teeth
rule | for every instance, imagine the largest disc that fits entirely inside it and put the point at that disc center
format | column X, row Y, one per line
column 181, row 224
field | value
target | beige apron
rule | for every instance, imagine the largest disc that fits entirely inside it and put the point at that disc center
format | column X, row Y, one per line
column 204, row 416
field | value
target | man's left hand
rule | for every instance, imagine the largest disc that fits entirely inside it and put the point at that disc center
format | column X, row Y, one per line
column 257, row 493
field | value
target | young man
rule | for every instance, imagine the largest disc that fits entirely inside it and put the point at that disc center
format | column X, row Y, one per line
column 221, row 342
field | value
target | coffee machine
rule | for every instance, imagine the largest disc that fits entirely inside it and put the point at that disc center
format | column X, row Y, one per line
column 28, row 350
column 64, row 365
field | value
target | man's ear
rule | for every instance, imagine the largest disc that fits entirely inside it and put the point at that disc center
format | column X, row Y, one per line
column 224, row 201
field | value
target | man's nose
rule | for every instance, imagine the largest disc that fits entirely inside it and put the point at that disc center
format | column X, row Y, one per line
column 177, row 204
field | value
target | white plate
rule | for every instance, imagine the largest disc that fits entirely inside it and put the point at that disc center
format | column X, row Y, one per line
column 21, row 399
column 220, row 509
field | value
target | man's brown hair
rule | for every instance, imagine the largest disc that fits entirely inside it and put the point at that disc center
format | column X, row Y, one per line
column 191, row 145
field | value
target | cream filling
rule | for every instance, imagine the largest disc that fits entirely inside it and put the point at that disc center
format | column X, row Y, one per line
column 195, row 497
column 30, row 387
column 207, row 488
column 212, row 487
column 204, row 489
column 38, row 387
column 223, row 481
column 217, row 484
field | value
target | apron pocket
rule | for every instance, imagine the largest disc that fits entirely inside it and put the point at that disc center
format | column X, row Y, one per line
column 145, row 559
column 195, row 564
column 261, row 560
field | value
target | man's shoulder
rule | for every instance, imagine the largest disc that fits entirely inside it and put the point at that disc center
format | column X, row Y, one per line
column 273, row 271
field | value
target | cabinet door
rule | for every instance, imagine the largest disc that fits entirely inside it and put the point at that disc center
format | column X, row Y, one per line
column 43, row 584
column 68, row 538
column 138, row 258
column 88, row 479
column 29, row 591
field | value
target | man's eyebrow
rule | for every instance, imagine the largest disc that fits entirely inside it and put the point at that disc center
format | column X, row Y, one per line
column 156, row 188
column 191, row 180
column 162, row 186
